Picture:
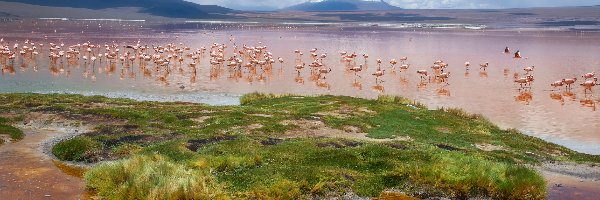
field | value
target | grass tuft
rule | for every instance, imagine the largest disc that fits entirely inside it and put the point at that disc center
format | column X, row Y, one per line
column 77, row 149
column 14, row 133
column 152, row 177
column 462, row 113
column 462, row 176
column 389, row 99
column 255, row 96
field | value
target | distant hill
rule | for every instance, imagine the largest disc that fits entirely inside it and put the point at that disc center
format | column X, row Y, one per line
column 163, row 8
column 342, row 5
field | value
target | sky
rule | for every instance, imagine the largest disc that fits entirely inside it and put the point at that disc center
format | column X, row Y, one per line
column 409, row 4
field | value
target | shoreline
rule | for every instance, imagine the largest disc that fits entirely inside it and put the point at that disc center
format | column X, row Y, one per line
column 225, row 99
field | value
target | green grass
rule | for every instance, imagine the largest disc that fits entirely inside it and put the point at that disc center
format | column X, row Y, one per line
column 3, row 120
column 152, row 177
column 77, row 149
column 14, row 133
column 465, row 176
column 437, row 154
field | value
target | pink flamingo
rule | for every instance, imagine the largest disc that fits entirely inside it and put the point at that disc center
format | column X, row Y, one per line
column 423, row 73
column 569, row 81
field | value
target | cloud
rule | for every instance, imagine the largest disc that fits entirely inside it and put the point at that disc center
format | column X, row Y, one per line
column 411, row 4
column 489, row 4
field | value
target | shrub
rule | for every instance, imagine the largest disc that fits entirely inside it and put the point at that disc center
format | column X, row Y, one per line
column 77, row 149
column 253, row 97
column 281, row 189
column 462, row 113
column 389, row 99
column 152, row 177
column 463, row 176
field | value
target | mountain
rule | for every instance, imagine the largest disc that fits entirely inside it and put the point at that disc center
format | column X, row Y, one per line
column 342, row 5
column 163, row 8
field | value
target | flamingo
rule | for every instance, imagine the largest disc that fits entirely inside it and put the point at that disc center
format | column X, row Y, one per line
column 299, row 67
column 393, row 62
column 436, row 67
column 423, row 73
column 484, row 66
column 467, row 64
column 404, row 67
column 444, row 76
column 569, row 81
column 529, row 69
column 525, row 81
column 324, row 71
column 557, row 84
column 403, row 59
column 378, row 74
column 518, row 54
column 589, row 75
column 356, row 69
column 589, row 84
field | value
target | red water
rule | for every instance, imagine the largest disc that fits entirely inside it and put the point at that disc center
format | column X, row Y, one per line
column 565, row 117
column 26, row 173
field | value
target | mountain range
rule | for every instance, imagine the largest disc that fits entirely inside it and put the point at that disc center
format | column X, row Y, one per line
column 163, row 8
column 342, row 5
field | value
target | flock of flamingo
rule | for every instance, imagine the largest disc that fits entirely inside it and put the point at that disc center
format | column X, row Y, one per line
column 254, row 63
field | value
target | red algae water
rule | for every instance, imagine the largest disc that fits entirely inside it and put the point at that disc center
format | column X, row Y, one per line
column 565, row 117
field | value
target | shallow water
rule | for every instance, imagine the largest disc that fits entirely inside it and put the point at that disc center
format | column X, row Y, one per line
column 26, row 173
column 568, row 118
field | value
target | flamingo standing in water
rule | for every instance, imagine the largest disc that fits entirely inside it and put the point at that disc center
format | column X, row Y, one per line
column 280, row 61
column 356, row 69
column 378, row 74
column 528, row 69
column 589, row 75
column 557, row 84
column 423, row 73
column 484, row 66
column 403, row 59
column 467, row 64
column 518, row 54
column 324, row 71
column 404, row 67
column 299, row 67
column 527, row 80
column 443, row 77
column 589, row 84
column 569, row 81
column 365, row 56
column 393, row 62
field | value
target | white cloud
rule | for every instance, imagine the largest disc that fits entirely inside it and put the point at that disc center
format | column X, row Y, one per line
column 414, row 4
